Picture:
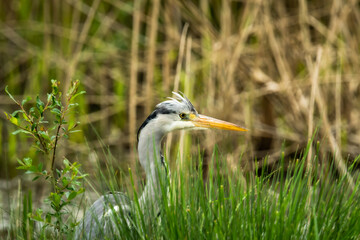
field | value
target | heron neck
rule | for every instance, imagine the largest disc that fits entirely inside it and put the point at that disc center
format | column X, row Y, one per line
column 149, row 148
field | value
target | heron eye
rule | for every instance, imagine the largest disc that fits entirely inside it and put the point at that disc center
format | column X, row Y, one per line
column 182, row 115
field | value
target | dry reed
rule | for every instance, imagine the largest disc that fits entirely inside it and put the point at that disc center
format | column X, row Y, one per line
column 256, row 63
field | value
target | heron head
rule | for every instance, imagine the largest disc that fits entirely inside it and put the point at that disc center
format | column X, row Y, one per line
column 179, row 113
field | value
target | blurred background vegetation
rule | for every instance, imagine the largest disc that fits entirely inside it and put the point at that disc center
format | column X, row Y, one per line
column 279, row 68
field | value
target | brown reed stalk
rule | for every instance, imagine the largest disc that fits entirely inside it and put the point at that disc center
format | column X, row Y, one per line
column 177, row 77
column 337, row 93
column 314, row 84
column 134, row 65
column 187, row 92
column 326, row 129
column 150, row 58
column 80, row 43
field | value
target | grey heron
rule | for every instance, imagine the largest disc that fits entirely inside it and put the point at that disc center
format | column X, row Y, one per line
column 177, row 113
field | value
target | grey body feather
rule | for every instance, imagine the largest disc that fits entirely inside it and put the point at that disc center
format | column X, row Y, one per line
column 99, row 222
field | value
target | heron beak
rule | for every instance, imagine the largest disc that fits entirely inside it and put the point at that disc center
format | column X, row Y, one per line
column 209, row 122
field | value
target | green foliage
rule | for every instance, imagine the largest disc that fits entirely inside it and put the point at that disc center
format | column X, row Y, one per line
column 32, row 121
column 288, row 203
column 66, row 182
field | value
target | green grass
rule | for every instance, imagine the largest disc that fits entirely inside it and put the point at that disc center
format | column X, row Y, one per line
column 288, row 203
column 282, row 206
column 284, row 202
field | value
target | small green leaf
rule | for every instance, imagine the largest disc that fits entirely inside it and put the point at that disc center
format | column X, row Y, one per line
column 66, row 162
column 72, row 105
column 27, row 161
column 15, row 113
column 55, row 199
column 20, row 162
column 78, row 94
column 83, row 176
column 72, row 196
column 22, row 167
column 35, row 217
column 55, row 86
column 55, row 102
column 72, row 124
column 74, row 131
column 44, row 135
column 12, row 119
column 65, row 181
column 21, row 131
column 73, row 89
column 40, row 167
column 35, row 178
column 48, row 218
column 40, row 105
column 31, row 169
column 56, row 111
column 43, row 122
column 26, row 118
column 32, row 111
column 23, row 102
column 49, row 96
column 81, row 190
column 8, row 93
